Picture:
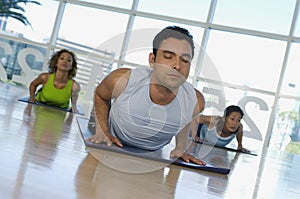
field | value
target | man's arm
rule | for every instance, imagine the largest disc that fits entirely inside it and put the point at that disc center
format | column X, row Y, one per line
column 111, row 87
column 196, row 115
column 203, row 119
column 181, row 149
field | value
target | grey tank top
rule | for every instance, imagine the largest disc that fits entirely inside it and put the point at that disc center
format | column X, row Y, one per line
column 138, row 122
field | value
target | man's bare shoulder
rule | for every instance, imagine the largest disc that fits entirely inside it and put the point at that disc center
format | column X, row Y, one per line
column 201, row 100
column 120, row 72
column 115, row 82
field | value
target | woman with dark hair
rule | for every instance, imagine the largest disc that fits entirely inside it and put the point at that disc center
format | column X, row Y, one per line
column 220, row 131
column 58, row 86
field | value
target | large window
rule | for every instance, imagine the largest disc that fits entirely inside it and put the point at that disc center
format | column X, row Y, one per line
column 188, row 9
column 268, row 15
column 42, row 19
column 291, row 83
column 91, row 27
column 140, row 44
column 286, row 130
column 117, row 3
column 248, row 58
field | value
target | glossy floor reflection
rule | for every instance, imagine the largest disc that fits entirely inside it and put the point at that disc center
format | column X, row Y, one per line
column 42, row 156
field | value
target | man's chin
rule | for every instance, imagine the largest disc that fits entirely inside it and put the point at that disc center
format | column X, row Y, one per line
column 173, row 86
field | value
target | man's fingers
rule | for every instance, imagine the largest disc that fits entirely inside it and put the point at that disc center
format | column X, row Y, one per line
column 185, row 158
column 117, row 142
column 108, row 140
column 190, row 158
column 197, row 161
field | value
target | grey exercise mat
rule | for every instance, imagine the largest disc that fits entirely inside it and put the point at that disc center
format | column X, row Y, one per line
column 161, row 155
column 25, row 99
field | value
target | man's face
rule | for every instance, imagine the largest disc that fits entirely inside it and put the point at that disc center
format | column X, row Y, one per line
column 171, row 66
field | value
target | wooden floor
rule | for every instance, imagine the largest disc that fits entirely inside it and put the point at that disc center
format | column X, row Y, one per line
column 42, row 156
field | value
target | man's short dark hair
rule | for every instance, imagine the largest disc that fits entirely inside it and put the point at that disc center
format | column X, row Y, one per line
column 174, row 32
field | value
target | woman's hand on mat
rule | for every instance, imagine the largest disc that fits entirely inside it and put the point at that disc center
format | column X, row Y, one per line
column 100, row 137
column 243, row 150
column 32, row 100
column 74, row 109
column 186, row 157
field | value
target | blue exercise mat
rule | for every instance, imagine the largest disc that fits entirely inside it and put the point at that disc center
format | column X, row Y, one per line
column 162, row 155
column 226, row 148
column 26, row 99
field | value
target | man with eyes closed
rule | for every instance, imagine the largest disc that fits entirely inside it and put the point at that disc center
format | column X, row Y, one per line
column 151, row 106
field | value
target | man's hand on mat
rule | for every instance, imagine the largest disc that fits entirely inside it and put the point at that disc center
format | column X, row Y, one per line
column 186, row 157
column 100, row 137
column 197, row 139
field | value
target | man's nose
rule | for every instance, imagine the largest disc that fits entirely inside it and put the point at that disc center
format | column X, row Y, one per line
column 176, row 64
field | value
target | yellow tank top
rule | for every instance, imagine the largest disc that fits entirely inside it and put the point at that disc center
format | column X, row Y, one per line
column 53, row 96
